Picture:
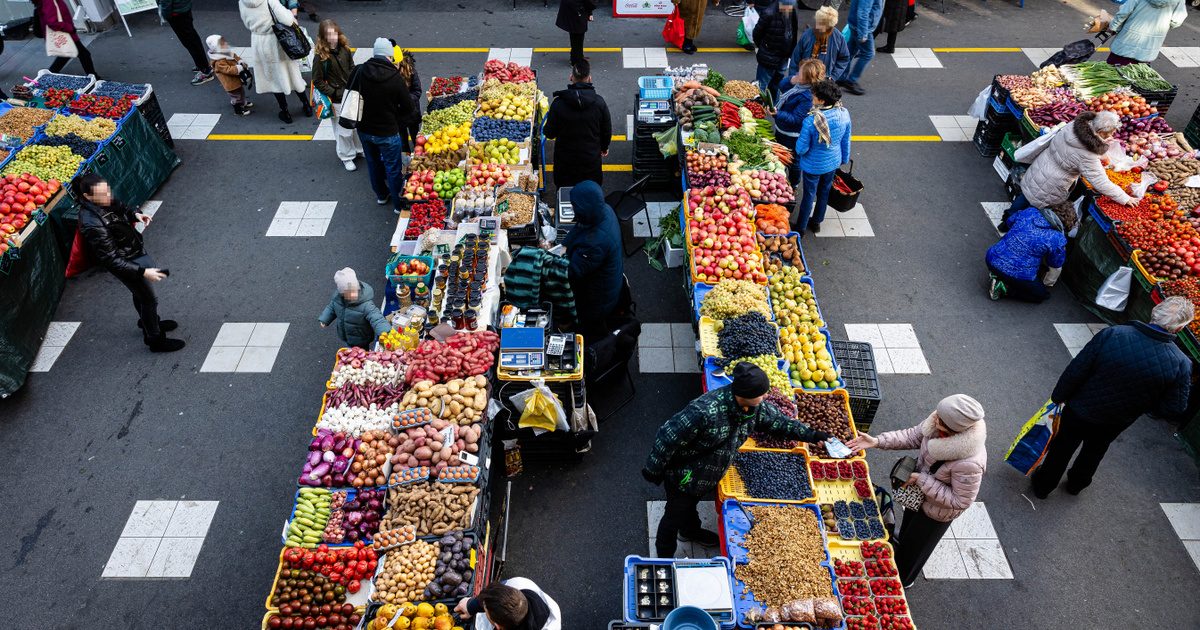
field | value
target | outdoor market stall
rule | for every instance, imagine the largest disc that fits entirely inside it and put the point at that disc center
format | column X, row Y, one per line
column 71, row 125
column 1158, row 238
column 784, row 508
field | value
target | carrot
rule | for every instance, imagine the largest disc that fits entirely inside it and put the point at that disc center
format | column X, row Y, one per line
column 691, row 85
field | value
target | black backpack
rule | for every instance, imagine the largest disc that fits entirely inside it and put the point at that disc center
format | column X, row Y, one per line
column 1075, row 52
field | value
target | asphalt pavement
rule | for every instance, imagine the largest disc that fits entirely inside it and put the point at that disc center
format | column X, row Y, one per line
column 112, row 424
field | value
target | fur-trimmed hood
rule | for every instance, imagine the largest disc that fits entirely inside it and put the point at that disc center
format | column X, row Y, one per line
column 956, row 446
column 1084, row 136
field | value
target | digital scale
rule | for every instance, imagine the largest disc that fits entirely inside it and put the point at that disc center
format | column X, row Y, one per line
column 655, row 111
column 522, row 348
column 564, row 214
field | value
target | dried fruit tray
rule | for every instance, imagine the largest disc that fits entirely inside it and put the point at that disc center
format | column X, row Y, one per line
column 708, row 338
column 731, row 485
column 845, row 396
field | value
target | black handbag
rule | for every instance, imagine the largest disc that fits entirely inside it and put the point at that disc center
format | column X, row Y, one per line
column 291, row 38
column 843, row 195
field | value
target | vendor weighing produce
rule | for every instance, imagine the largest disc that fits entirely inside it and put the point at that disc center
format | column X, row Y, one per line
column 695, row 447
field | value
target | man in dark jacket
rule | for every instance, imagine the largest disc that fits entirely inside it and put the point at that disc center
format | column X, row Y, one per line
column 594, row 249
column 694, row 448
column 1122, row 373
column 573, row 17
column 178, row 13
column 386, row 105
column 581, row 127
column 774, row 41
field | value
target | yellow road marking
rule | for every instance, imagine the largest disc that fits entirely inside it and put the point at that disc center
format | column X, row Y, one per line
column 607, row 168
column 976, row 50
column 256, row 136
column 567, row 50
column 619, row 138
column 896, row 138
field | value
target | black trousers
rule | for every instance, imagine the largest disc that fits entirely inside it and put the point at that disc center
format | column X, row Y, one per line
column 680, row 515
column 181, row 23
column 85, row 59
column 281, row 99
column 919, row 534
column 1073, row 432
column 145, row 303
column 576, row 47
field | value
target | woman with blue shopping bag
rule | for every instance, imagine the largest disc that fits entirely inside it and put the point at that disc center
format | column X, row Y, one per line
column 332, row 69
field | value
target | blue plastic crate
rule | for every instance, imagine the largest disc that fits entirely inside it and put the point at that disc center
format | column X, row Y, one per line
column 1106, row 225
column 629, row 592
column 699, row 290
column 1016, row 110
column 803, row 258
column 655, row 87
column 832, row 359
column 713, row 381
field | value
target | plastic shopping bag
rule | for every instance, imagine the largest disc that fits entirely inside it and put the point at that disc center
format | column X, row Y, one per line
column 319, row 102
column 1029, row 448
column 1030, row 150
column 1114, row 293
column 978, row 109
column 673, row 30
column 540, row 409
column 745, row 32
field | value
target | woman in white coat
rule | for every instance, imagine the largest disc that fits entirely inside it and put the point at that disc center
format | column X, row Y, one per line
column 274, row 72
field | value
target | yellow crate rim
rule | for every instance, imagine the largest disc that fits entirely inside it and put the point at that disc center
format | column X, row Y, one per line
column 732, row 487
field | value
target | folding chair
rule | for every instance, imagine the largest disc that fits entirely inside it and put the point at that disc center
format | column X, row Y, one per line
column 607, row 359
column 627, row 204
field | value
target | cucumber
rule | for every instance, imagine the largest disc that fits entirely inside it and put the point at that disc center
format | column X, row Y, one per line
column 312, row 538
column 309, row 545
column 291, row 543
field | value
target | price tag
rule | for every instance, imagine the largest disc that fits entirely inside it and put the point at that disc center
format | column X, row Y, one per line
column 448, row 437
column 502, row 207
column 6, row 262
column 102, row 159
column 118, row 142
column 40, row 216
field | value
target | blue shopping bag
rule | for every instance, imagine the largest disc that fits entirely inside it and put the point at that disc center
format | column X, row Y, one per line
column 322, row 108
column 1029, row 448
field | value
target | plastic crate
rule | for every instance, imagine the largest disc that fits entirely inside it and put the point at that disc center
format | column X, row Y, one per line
column 655, row 87
column 1144, row 277
column 714, row 377
column 845, row 396
column 735, row 522
column 630, row 594
column 985, row 142
column 731, row 485
column 708, row 338
column 410, row 279
column 803, row 259
column 860, row 377
column 1161, row 100
column 37, row 91
column 1010, row 144
column 999, row 93
column 832, row 359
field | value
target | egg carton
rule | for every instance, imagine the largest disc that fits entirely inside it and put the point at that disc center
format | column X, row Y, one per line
column 406, row 476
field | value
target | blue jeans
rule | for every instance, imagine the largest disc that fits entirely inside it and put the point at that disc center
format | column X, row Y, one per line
column 816, row 185
column 769, row 79
column 793, row 169
column 861, row 55
column 385, row 161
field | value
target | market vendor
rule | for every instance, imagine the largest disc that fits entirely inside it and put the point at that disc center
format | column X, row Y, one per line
column 1055, row 165
column 1034, row 239
column 514, row 604
column 596, row 265
column 695, row 447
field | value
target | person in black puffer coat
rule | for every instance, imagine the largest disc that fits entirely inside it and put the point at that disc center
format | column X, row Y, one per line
column 1122, row 373
column 594, row 249
column 580, row 125
column 774, row 40
column 107, row 226
column 387, row 106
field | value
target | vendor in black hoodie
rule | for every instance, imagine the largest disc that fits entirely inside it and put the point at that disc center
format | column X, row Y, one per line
column 581, row 127
column 386, row 107
column 515, row 604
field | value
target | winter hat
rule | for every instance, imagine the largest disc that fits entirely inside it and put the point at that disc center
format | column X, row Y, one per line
column 345, row 279
column 382, row 48
column 215, row 50
column 789, row 3
column 749, row 381
column 959, row 412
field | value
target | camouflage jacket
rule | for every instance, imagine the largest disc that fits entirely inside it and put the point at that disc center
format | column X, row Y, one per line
column 696, row 446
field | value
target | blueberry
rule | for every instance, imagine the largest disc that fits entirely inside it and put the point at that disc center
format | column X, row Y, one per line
column 841, row 510
column 774, row 475
column 876, row 528
column 862, row 531
column 871, row 508
column 856, row 510
column 845, row 528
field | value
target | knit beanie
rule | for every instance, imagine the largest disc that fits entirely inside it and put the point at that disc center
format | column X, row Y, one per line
column 749, row 381
column 959, row 412
column 345, row 279
column 382, row 48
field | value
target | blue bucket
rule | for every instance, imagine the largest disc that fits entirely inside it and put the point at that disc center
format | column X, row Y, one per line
column 689, row 618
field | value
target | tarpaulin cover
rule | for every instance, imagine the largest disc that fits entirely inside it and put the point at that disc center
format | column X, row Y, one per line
column 135, row 161
column 1091, row 259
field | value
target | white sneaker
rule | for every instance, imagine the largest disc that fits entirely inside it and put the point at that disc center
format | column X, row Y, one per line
column 349, row 164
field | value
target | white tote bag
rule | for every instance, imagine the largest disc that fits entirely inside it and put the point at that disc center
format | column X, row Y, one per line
column 1114, row 293
column 60, row 43
column 351, row 108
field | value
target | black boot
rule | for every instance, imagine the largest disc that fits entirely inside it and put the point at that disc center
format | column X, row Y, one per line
column 304, row 105
column 689, row 47
column 285, row 116
column 164, row 325
column 162, row 343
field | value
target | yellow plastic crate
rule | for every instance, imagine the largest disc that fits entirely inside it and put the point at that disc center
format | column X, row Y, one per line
column 732, row 487
column 845, row 396
column 1150, row 278
column 708, row 338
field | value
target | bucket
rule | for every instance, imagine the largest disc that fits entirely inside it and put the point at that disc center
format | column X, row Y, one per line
column 689, row 618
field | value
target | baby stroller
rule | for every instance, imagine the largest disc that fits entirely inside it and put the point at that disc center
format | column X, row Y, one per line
column 1082, row 50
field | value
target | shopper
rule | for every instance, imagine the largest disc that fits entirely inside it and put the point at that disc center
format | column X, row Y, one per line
column 178, row 13
column 573, row 17
column 950, row 466
column 774, row 41
column 56, row 14
column 1123, row 372
column 359, row 322
column 411, row 127
column 1140, row 27
column 822, row 146
column 274, row 72
column 597, row 266
column 108, row 228
column 386, row 105
column 695, row 447
column 332, row 67
column 1055, row 166
column 228, row 67
column 692, row 14
column 895, row 18
column 792, row 108
column 580, row 125
column 1035, row 238
column 514, row 604
column 824, row 42
column 864, row 17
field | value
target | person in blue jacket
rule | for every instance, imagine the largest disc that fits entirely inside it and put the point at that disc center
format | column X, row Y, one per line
column 824, row 42
column 823, row 146
column 792, row 108
column 594, row 249
column 864, row 17
column 1035, row 237
column 1141, row 26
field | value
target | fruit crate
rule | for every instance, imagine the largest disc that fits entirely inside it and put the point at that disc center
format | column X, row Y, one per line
column 1144, row 277
column 359, row 600
column 845, row 399
column 708, row 338
column 735, row 524
column 411, row 279
column 91, row 81
column 1009, row 146
column 803, row 259
column 1013, row 108
column 836, row 368
column 985, row 141
column 860, row 377
column 350, row 494
column 999, row 93
column 1161, row 100
column 715, row 376
column 731, row 485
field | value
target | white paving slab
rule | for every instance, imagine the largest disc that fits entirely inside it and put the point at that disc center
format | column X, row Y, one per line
column 994, row 210
column 946, row 562
column 523, row 56
column 362, row 54
column 245, row 347
column 175, row 558
column 655, row 336
column 1193, row 549
column 954, row 128
column 653, row 360
column 708, row 520
column 1184, row 518
column 916, row 58
column 853, row 222
column 984, row 560
column 500, row 54
column 302, row 218
column 191, row 519
column 668, row 348
column 1075, row 336
column 1182, row 56
column 324, row 130
column 185, row 126
column 629, row 127
column 975, row 523
column 897, row 343
column 656, row 58
column 149, row 519
column 1038, row 55
column 131, row 558
column 150, row 208
column 633, row 57
column 58, row 335
column 161, row 539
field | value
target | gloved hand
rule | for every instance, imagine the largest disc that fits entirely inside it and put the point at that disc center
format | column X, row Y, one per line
column 1051, row 276
column 651, row 477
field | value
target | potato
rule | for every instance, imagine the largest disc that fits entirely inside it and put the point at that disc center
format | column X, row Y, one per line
column 423, row 452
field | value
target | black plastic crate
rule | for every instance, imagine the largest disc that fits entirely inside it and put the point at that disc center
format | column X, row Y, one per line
column 986, row 141
column 856, row 363
column 1159, row 99
column 153, row 114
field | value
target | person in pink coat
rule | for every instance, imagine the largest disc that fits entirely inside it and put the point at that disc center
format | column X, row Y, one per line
column 949, row 471
column 57, row 15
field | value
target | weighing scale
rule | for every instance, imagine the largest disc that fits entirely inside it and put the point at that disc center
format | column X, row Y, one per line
column 522, row 348
column 564, row 214
column 655, row 111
